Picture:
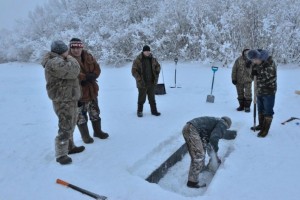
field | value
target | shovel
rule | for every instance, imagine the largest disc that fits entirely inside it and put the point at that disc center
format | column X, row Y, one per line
column 160, row 87
column 211, row 98
column 175, row 78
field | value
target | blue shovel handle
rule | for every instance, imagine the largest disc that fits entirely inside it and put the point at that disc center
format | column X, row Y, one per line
column 214, row 68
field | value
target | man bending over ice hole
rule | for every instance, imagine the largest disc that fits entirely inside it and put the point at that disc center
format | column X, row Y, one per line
column 203, row 134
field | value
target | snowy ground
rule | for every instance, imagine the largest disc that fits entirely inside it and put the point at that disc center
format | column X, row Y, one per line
column 255, row 169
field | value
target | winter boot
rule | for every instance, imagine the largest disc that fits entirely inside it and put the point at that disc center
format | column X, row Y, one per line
column 64, row 160
column 247, row 106
column 191, row 184
column 98, row 131
column 84, row 131
column 266, row 127
column 154, row 110
column 74, row 149
column 242, row 105
column 140, row 110
column 261, row 118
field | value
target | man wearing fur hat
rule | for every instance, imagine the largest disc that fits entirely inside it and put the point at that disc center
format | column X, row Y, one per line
column 88, row 104
column 61, row 71
column 145, row 70
column 241, row 78
column 265, row 69
column 202, row 135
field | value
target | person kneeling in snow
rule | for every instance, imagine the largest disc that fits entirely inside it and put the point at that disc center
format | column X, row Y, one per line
column 203, row 134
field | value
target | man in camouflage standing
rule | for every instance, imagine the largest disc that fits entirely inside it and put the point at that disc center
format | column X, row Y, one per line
column 202, row 135
column 265, row 69
column 145, row 70
column 88, row 104
column 241, row 78
column 61, row 71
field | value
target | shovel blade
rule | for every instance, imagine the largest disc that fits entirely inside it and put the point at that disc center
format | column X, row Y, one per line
column 210, row 99
column 160, row 89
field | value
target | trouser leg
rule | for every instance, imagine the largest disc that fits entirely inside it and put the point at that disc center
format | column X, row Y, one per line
column 66, row 114
column 142, row 96
column 196, row 151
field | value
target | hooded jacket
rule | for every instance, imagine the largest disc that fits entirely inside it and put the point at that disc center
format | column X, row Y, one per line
column 210, row 129
column 241, row 70
column 266, row 75
column 62, row 77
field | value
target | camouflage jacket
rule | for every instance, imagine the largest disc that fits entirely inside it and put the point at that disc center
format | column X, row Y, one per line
column 138, row 72
column 266, row 77
column 240, row 72
column 88, row 64
column 210, row 129
column 61, row 77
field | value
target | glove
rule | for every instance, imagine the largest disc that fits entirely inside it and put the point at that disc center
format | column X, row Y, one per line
column 84, row 83
column 254, row 72
column 234, row 82
column 79, row 104
column 91, row 77
column 219, row 160
column 248, row 63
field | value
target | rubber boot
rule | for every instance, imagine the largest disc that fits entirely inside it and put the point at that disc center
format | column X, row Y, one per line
column 247, row 106
column 64, row 160
column 261, row 118
column 154, row 110
column 140, row 110
column 242, row 105
column 266, row 127
column 98, row 131
column 84, row 131
column 191, row 184
column 74, row 149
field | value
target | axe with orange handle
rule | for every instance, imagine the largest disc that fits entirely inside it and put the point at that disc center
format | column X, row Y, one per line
column 83, row 191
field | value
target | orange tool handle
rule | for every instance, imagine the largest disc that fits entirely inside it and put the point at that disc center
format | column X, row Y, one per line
column 59, row 181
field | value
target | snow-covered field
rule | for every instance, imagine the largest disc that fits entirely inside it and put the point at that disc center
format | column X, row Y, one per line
column 255, row 168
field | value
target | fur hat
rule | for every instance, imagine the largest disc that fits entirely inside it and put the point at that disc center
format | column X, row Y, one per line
column 146, row 48
column 227, row 121
column 76, row 43
column 59, row 47
column 258, row 54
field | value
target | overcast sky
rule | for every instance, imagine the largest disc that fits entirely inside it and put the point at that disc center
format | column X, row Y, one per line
column 11, row 10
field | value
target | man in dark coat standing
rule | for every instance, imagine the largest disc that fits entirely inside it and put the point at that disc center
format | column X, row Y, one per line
column 145, row 70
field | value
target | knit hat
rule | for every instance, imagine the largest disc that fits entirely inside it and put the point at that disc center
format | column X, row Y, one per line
column 146, row 48
column 258, row 54
column 227, row 120
column 59, row 47
column 76, row 43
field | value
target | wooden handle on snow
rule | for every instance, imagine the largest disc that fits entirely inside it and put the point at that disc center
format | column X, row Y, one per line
column 58, row 181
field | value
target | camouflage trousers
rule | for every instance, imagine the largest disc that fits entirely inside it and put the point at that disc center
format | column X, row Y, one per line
column 196, row 150
column 67, row 117
column 244, row 91
column 149, row 91
column 90, row 108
